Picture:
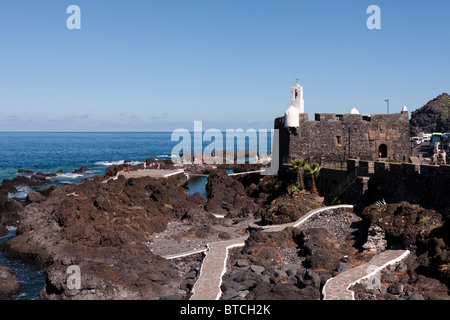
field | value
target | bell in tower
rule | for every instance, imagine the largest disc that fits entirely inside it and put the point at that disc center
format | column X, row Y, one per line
column 297, row 98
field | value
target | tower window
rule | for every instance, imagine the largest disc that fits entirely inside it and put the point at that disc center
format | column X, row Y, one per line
column 296, row 94
column 339, row 141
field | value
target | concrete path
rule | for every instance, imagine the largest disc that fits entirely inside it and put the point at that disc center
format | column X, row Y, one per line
column 214, row 264
column 154, row 173
column 243, row 173
column 337, row 288
column 281, row 227
column 213, row 268
column 179, row 255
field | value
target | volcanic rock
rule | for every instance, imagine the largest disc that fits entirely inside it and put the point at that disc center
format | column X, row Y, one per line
column 431, row 289
column 405, row 224
column 322, row 250
column 22, row 171
column 416, row 296
column 9, row 210
column 257, row 269
column 432, row 117
column 81, row 170
column 282, row 291
column 263, row 248
column 227, row 196
column 102, row 231
column 395, row 288
column 288, row 208
column 9, row 285
column 3, row 230
column 35, row 197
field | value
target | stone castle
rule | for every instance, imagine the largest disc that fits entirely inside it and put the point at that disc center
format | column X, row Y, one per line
column 334, row 138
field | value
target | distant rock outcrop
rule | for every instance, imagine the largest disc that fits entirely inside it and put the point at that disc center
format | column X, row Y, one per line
column 432, row 117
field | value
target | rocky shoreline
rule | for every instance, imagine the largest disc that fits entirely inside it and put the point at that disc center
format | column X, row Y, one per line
column 118, row 230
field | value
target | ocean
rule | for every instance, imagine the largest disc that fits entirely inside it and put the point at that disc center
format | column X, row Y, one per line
column 49, row 152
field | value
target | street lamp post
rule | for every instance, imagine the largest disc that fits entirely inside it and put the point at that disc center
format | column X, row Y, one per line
column 349, row 129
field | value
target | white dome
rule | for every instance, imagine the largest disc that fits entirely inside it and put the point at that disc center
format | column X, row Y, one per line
column 292, row 117
column 354, row 111
column 405, row 109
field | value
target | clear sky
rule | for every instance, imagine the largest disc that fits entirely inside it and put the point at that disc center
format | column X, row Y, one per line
column 144, row 65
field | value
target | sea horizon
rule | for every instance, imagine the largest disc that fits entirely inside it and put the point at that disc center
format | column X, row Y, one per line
column 52, row 151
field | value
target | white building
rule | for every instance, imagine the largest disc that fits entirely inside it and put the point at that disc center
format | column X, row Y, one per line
column 297, row 106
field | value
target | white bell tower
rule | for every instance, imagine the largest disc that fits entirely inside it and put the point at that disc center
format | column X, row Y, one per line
column 296, row 107
column 297, row 98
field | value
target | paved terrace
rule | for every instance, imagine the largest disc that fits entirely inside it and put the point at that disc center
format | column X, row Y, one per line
column 154, row 173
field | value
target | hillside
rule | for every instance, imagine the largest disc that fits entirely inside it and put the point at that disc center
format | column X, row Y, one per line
column 432, row 117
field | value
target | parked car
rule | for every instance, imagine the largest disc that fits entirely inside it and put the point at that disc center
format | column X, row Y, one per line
column 418, row 140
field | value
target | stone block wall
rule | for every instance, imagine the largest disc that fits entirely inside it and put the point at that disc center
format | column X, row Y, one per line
column 427, row 185
column 334, row 138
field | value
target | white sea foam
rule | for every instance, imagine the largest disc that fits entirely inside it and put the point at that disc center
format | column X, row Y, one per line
column 21, row 193
column 134, row 163
column 167, row 156
column 69, row 175
column 118, row 163
column 11, row 228
column 110, row 163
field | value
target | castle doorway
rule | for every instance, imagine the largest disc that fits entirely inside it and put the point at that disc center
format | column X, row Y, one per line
column 382, row 151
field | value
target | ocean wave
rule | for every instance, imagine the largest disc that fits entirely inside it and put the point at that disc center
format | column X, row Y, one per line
column 167, row 156
column 134, row 163
column 69, row 175
column 110, row 163
column 118, row 163
column 21, row 193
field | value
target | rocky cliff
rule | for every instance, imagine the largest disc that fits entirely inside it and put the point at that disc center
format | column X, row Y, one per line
column 432, row 117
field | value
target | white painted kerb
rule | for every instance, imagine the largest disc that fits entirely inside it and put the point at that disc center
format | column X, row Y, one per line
column 225, row 266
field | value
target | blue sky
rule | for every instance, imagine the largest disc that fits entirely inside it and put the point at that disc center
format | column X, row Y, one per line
column 143, row 65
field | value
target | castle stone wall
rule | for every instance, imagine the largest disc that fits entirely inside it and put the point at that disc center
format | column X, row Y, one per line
column 394, row 182
column 334, row 138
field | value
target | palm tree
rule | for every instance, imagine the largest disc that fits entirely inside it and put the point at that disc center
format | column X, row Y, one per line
column 298, row 166
column 313, row 171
